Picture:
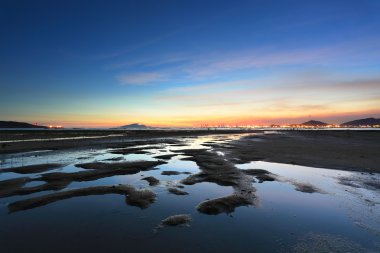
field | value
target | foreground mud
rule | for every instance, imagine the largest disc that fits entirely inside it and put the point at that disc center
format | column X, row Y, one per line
column 134, row 197
column 223, row 205
column 30, row 169
column 215, row 169
column 174, row 220
column 60, row 180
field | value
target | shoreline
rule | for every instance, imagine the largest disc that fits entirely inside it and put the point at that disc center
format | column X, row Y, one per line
column 62, row 139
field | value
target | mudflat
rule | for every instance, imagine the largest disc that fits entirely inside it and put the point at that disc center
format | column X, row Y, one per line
column 157, row 184
column 357, row 150
column 343, row 150
column 14, row 141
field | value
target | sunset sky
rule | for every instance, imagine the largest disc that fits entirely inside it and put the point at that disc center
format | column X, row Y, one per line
column 184, row 63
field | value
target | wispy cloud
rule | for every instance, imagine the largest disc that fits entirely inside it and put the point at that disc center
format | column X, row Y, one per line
column 185, row 66
column 342, row 54
column 295, row 96
column 141, row 78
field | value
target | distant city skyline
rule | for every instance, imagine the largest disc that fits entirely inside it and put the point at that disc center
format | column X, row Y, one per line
column 187, row 63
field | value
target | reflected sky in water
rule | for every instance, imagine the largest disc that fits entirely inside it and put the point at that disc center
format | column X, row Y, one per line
column 106, row 223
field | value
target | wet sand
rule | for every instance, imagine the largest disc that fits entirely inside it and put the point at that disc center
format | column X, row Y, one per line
column 354, row 150
column 342, row 150
column 23, row 141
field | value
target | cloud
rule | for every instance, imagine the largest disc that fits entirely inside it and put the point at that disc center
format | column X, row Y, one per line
column 343, row 54
column 294, row 96
column 197, row 66
column 141, row 78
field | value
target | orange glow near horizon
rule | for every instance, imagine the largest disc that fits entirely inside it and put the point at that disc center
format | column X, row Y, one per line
column 244, row 120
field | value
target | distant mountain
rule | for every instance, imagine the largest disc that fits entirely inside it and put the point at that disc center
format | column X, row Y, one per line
column 362, row 122
column 135, row 126
column 314, row 123
column 14, row 124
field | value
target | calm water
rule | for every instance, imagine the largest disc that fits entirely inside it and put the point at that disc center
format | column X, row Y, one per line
column 285, row 220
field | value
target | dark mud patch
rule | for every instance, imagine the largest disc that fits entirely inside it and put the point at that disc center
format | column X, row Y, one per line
column 30, row 169
column 115, row 159
column 14, row 182
column 223, row 205
column 138, row 149
column 213, row 168
column 173, row 173
column 139, row 198
column 151, row 180
column 216, row 169
column 20, row 190
column 307, row 188
column 366, row 182
column 176, row 191
column 349, row 182
column 128, row 151
column 131, row 166
column 99, row 170
column 165, row 157
column 219, row 146
column 266, row 177
column 170, row 173
column 190, row 151
column 83, row 157
column 60, row 180
column 221, row 178
column 175, row 220
column 255, row 172
column 261, row 175
column 372, row 184
column 157, row 142
column 209, row 142
column 9, row 186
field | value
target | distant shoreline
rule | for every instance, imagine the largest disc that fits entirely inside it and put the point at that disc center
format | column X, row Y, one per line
column 27, row 140
column 195, row 129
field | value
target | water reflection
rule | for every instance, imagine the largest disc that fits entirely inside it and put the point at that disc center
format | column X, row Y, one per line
column 89, row 207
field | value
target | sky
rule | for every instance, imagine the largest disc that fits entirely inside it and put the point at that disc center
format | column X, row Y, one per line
column 187, row 63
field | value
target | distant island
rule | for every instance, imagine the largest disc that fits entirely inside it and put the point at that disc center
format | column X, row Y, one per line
column 314, row 123
column 362, row 122
column 368, row 122
column 14, row 124
column 135, row 126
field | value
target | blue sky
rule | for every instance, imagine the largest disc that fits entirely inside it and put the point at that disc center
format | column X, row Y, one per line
column 183, row 63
